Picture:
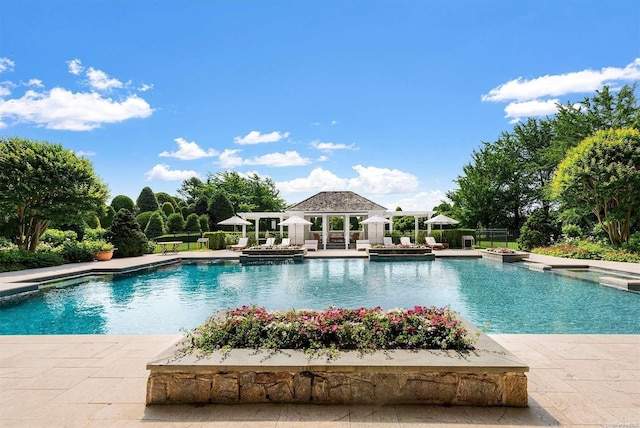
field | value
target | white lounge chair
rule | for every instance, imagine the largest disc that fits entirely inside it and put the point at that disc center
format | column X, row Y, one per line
column 362, row 244
column 269, row 242
column 241, row 245
column 387, row 240
column 285, row 242
column 431, row 243
column 405, row 240
column 310, row 245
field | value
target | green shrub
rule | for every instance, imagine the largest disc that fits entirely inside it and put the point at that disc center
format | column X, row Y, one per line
column 217, row 240
column 633, row 244
column 168, row 209
column 571, row 231
column 175, row 223
column 76, row 252
column 538, row 230
column 192, row 225
column 6, row 244
column 587, row 250
column 56, row 237
column 204, row 222
column 143, row 219
column 94, row 234
column 155, row 227
column 13, row 260
column 126, row 236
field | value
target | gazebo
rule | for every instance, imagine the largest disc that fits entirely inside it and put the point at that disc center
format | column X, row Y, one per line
column 343, row 204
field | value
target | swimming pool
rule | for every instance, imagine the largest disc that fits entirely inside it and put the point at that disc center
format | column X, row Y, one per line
column 510, row 297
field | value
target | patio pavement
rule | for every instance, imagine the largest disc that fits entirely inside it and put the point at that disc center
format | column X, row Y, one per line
column 100, row 380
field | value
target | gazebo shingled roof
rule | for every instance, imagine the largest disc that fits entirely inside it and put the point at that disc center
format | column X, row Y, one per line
column 341, row 201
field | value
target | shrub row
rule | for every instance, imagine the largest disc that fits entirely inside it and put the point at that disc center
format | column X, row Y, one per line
column 12, row 260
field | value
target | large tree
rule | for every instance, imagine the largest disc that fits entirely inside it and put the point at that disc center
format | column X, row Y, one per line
column 41, row 182
column 219, row 209
column 147, row 200
column 602, row 174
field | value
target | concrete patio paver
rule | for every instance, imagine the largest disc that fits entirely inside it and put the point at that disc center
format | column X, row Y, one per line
column 105, row 385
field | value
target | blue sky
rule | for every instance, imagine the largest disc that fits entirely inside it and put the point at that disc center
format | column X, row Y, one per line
column 384, row 98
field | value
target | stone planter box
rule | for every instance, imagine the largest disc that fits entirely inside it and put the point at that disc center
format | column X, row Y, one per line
column 487, row 376
column 258, row 255
column 400, row 253
column 504, row 257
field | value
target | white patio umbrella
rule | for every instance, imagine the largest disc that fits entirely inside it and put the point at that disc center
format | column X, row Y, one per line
column 296, row 223
column 441, row 219
column 376, row 235
column 234, row 221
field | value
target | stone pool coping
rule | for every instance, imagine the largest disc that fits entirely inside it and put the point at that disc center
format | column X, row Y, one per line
column 489, row 375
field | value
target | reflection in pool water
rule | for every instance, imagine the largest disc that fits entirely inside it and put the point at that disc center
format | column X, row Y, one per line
column 510, row 297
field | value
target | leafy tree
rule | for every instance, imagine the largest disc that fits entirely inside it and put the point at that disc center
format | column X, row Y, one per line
column 192, row 224
column 204, row 222
column 219, row 209
column 602, row 174
column 167, row 209
column 92, row 221
column 146, row 200
column 123, row 201
column 175, row 223
column 126, row 236
column 185, row 211
column 107, row 217
column 163, row 197
column 143, row 219
column 155, row 227
column 42, row 182
column 201, row 205
column 191, row 189
column 539, row 230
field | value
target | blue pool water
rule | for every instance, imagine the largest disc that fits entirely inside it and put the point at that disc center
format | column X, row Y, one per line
column 511, row 298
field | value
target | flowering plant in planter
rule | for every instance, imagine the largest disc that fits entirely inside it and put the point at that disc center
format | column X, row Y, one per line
column 501, row 250
column 332, row 330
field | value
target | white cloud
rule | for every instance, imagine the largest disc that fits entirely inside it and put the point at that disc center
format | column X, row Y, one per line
column 563, row 84
column 322, row 158
column 62, row 109
column 334, row 122
column 85, row 154
column 531, row 97
column 329, row 147
column 6, row 65
column 101, row 81
column 163, row 172
column 145, row 87
column 370, row 180
column 36, row 83
column 188, row 151
column 289, row 158
column 230, row 159
column 75, row 66
column 318, row 180
column 419, row 202
column 517, row 110
column 255, row 137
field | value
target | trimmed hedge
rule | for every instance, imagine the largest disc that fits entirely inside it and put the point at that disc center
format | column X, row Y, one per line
column 12, row 260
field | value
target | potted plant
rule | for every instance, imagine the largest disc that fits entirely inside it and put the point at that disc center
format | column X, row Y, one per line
column 103, row 250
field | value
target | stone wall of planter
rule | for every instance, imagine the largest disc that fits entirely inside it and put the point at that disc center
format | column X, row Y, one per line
column 487, row 376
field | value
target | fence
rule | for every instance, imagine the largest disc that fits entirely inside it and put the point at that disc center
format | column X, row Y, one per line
column 495, row 237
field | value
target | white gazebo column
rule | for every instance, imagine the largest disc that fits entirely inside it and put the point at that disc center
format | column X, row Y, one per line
column 244, row 230
column 345, row 232
column 415, row 239
column 325, row 233
column 257, row 231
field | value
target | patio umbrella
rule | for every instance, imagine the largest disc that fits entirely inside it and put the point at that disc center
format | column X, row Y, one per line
column 234, row 221
column 295, row 222
column 441, row 219
column 377, row 234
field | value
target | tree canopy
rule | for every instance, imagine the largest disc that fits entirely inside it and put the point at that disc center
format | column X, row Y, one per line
column 603, row 174
column 41, row 182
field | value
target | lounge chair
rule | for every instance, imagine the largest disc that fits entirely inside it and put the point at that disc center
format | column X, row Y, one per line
column 241, row 245
column 405, row 240
column 362, row 244
column 285, row 242
column 269, row 242
column 431, row 243
column 387, row 240
column 311, row 245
